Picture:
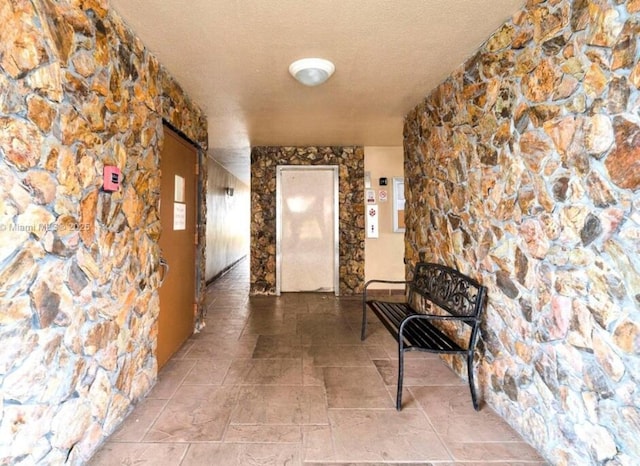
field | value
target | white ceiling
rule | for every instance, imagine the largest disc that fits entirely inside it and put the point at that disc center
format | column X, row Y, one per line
column 232, row 58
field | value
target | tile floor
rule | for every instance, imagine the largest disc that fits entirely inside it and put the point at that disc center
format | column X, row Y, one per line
column 287, row 381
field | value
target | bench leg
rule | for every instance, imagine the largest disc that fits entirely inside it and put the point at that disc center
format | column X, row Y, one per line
column 363, row 330
column 472, row 385
column 400, row 375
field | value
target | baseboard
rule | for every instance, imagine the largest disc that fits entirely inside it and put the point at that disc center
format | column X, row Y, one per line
column 225, row 270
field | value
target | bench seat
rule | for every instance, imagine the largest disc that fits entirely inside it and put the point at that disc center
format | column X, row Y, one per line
column 419, row 333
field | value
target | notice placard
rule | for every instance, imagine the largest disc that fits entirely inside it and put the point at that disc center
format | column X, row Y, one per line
column 371, row 196
column 179, row 189
column 179, row 216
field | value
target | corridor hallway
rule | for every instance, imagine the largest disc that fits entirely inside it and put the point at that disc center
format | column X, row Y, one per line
column 286, row 381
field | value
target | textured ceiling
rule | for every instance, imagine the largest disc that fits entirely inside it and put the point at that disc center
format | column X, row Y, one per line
column 232, row 58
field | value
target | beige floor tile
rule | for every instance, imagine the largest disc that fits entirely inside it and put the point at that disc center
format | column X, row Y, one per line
column 265, row 372
column 184, row 349
column 277, row 347
column 136, row 425
column 376, row 334
column 490, row 463
column 310, row 323
column 207, row 372
column 142, row 454
column 324, row 306
column 425, row 371
column 318, row 444
column 321, row 337
column 232, row 305
column 213, row 454
column 376, row 352
column 231, row 454
column 321, row 330
column 391, row 347
column 384, row 435
column 337, row 356
column 493, row 451
column 280, row 404
column 270, row 455
column 170, row 377
column 263, row 434
column 312, row 375
column 223, row 348
column 270, row 327
column 408, row 401
column 451, row 412
column 196, row 413
column 378, row 463
column 444, row 401
column 220, row 328
column 355, row 387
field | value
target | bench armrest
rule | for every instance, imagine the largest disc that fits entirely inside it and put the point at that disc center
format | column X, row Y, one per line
column 364, row 293
column 399, row 282
column 443, row 317
column 419, row 316
column 385, row 281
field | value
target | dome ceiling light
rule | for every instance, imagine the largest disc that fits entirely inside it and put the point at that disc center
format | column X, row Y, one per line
column 311, row 71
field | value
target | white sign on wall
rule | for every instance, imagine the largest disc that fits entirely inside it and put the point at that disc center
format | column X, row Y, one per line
column 371, row 196
column 179, row 216
column 372, row 221
column 179, row 189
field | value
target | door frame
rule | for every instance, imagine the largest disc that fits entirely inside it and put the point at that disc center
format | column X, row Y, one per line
column 336, row 220
column 201, row 223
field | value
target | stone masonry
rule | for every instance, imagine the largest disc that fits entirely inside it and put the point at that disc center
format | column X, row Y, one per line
column 78, row 266
column 264, row 161
column 523, row 170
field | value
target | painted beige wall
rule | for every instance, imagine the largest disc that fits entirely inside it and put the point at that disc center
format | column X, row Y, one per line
column 384, row 255
column 227, row 220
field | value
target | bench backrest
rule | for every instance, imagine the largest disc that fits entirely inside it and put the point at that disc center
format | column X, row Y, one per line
column 449, row 289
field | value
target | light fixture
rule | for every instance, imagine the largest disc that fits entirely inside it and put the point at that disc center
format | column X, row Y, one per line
column 228, row 191
column 312, row 71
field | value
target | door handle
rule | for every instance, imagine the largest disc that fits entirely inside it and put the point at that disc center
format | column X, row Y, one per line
column 165, row 270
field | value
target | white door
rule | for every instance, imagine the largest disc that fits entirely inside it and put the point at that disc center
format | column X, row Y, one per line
column 307, row 229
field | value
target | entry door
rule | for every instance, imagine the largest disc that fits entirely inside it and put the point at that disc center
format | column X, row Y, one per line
column 307, row 229
column 177, row 241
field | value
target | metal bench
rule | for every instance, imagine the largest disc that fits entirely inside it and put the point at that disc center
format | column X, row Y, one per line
column 432, row 285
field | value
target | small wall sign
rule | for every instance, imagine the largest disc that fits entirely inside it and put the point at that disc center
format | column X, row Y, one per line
column 372, row 221
column 371, row 196
column 179, row 216
column 179, row 189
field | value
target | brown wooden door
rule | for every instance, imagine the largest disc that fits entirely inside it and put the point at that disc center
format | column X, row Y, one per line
column 177, row 242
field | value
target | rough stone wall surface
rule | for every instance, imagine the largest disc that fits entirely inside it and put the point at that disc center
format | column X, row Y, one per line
column 264, row 161
column 78, row 266
column 523, row 170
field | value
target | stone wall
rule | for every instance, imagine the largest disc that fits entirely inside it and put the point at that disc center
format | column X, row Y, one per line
column 78, row 266
column 264, row 161
column 523, row 170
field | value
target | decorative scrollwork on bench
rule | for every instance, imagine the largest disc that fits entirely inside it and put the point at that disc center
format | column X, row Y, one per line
column 447, row 288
